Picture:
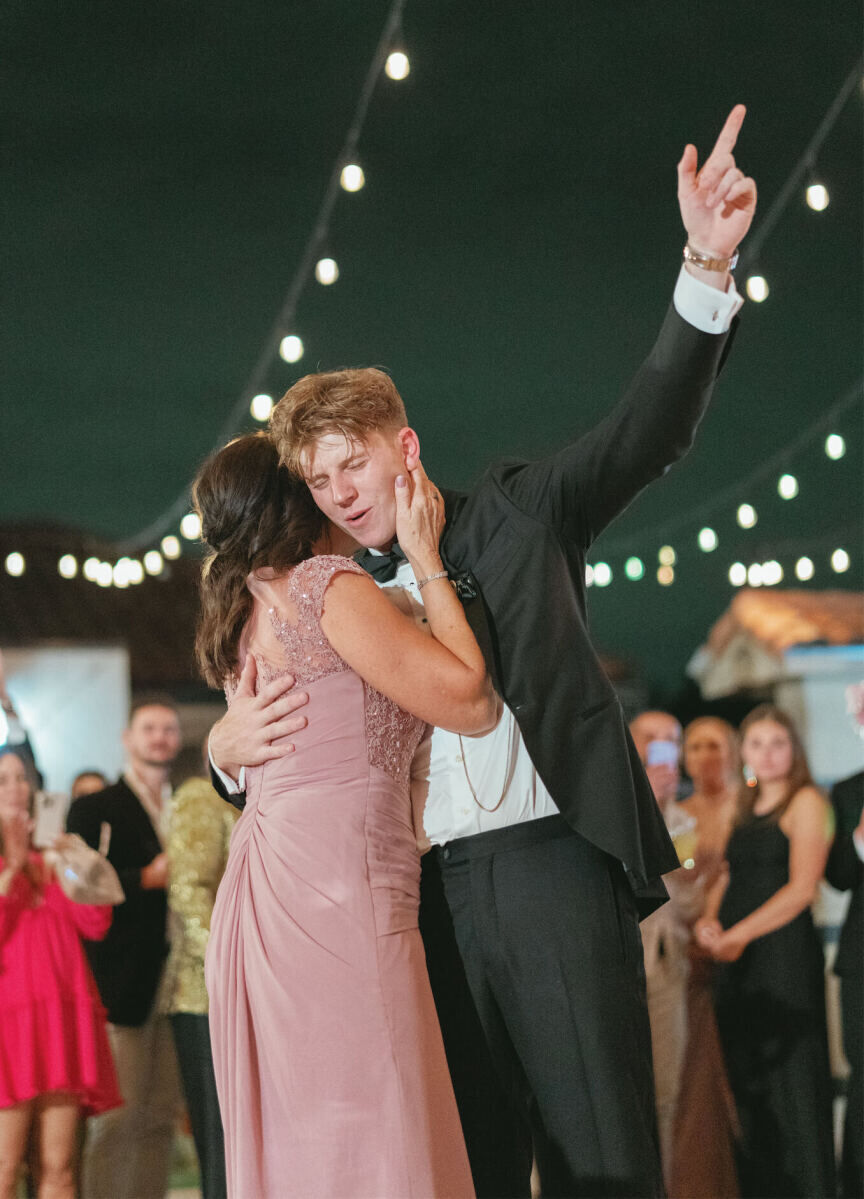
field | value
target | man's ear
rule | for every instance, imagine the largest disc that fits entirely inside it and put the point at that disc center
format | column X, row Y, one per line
column 410, row 444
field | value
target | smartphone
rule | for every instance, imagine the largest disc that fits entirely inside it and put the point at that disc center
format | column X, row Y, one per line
column 661, row 753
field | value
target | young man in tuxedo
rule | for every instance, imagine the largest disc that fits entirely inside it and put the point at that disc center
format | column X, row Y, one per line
column 127, row 1154
column 546, row 841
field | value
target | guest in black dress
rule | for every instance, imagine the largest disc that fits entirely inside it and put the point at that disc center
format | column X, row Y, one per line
column 770, row 990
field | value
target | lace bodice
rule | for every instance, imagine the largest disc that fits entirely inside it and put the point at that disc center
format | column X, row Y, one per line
column 294, row 603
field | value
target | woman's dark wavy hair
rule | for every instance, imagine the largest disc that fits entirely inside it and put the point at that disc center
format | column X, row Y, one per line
column 254, row 513
column 799, row 771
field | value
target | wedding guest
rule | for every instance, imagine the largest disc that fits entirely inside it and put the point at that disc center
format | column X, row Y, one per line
column 87, row 782
column 55, row 1060
column 666, row 932
column 703, row 1154
column 770, row 991
column 197, row 850
column 845, row 871
column 127, row 1154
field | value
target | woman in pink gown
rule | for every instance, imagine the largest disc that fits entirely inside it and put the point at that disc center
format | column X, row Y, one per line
column 329, row 1062
column 55, row 1060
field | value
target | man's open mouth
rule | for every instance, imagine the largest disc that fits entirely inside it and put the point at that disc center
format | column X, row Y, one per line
column 356, row 517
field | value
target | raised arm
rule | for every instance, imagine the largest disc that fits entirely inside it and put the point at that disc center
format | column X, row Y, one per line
column 441, row 679
column 584, row 486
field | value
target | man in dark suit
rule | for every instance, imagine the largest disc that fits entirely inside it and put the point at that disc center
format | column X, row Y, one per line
column 545, row 832
column 845, row 871
column 128, row 1151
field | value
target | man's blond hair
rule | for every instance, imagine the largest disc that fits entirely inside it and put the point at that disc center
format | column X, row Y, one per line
column 354, row 403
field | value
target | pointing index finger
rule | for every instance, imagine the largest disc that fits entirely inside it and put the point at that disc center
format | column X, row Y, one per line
column 725, row 143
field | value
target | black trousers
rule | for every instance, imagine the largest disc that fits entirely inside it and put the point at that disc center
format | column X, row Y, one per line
column 852, row 1166
column 548, row 936
column 195, row 1058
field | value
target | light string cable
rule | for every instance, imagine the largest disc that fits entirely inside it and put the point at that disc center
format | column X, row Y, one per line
column 805, row 163
column 737, row 489
column 170, row 517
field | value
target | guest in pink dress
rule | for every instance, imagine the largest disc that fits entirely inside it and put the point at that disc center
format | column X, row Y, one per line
column 55, row 1061
column 329, row 1063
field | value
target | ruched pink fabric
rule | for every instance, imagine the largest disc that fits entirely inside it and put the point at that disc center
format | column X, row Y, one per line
column 331, row 1072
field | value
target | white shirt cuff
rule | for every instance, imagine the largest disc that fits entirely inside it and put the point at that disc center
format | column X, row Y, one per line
column 704, row 306
column 858, row 842
column 232, row 787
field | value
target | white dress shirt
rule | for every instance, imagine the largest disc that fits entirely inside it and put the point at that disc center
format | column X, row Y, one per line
column 466, row 785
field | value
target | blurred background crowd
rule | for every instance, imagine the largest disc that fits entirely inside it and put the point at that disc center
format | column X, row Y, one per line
column 754, row 981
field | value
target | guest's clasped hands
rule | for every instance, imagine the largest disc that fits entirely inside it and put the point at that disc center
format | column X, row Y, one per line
column 723, row 945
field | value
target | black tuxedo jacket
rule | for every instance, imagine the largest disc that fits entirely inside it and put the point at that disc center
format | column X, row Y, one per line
column 845, row 871
column 517, row 546
column 521, row 536
column 128, row 963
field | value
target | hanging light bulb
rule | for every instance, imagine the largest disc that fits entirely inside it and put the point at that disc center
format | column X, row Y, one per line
column 68, row 566
column 667, row 556
column 602, row 574
column 746, row 516
column 804, row 569
column 261, row 407
column 291, row 348
column 787, row 486
column 737, row 574
column 757, row 288
column 190, row 526
column 171, row 546
column 840, row 561
column 772, row 573
column 634, row 568
column 326, row 271
column 708, row 540
column 754, row 574
column 153, row 562
column 90, row 569
column 352, row 177
column 397, row 65
column 104, row 574
column 665, row 576
column 15, row 564
column 589, row 575
column 835, row 446
column 817, row 197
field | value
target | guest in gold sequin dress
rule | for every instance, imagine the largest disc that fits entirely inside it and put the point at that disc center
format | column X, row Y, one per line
column 197, row 849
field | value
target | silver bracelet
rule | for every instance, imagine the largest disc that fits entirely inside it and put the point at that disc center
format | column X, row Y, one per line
column 421, row 583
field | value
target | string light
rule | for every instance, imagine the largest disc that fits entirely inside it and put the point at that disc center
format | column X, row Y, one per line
column 261, row 407
column 665, row 576
column 708, row 540
column 190, row 526
column 589, row 575
column 757, row 288
column 667, row 556
column 135, row 571
column 787, row 487
column 397, row 66
column 840, row 561
column 352, row 177
column 15, row 564
column 326, row 271
column 737, row 574
column 602, row 574
column 634, row 568
column 772, row 573
column 68, row 566
column 171, row 546
column 90, row 569
column 754, row 574
column 153, row 562
column 835, row 446
column 291, row 348
column 817, row 197
column 804, row 569
column 746, row 516
column 104, row 574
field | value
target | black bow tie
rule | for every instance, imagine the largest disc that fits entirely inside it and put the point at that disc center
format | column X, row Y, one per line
column 382, row 567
